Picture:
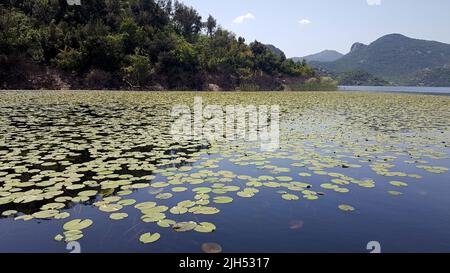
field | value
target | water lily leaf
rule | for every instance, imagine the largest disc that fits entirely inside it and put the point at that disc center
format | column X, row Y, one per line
column 245, row 194
column 88, row 193
column 179, row 189
column 77, row 224
column 110, row 207
column 164, row 196
column 160, row 184
column 398, row 184
column 165, row 223
column 205, row 227
column 62, row 215
column 184, row 226
column 186, row 204
column 204, row 210
column 155, row 209
column 346, row 208
column 126, row 202
column 59, row 238
column 148, row 238
column 8, row 213
column 24, row 217
column 118, row 216
column 310, row 197
column 211, row 248
column 395, row 193
column 223, row 199
column 145, row 205
column 329, row 186
column 45, row 214
column 178, row 210
column 153, row 217
column 290, row 197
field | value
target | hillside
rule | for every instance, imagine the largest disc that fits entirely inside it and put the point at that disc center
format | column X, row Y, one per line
column 131, row 44
column 437, row 77
column 275, row 50
column 324, row 56
column 393, row 57
column 359, row 78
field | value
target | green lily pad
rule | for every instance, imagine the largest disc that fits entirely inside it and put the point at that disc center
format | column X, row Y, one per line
column 148, row 238
column 395, row 193
column 184, row 226
column 205, row 227
column 110, row 207
column 153, row 217
column 398, row 184
column 118, row 216
column 164, row 196
column 223, row 199
column 165, row 223
column 346, row 208
column 290, row 197
column 179, row 189
column 77, row 224
column 178, row 210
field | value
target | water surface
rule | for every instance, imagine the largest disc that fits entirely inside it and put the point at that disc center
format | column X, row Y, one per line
column 87, row 155
column 401, row 89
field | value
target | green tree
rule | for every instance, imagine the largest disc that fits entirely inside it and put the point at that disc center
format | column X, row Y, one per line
column 137, row 71
column 187, row 21
column 211, row 25
column 69, row 59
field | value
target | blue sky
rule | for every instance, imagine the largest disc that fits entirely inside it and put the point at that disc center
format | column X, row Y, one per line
column 301, row 27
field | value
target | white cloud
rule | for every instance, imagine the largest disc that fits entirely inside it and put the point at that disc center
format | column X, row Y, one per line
column 241, row 19
column 304, row 22
column 374, row 2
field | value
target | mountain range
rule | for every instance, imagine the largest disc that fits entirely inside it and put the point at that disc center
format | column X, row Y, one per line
column 324, row 56
column 396, row 58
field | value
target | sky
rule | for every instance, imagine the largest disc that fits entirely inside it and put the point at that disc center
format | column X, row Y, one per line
column 303, row 27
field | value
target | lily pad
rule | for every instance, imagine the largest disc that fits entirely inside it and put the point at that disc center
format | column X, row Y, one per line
column 118, row 216
column 205, row 227
column 77, row 224
column 148, row 238
column 346, row 208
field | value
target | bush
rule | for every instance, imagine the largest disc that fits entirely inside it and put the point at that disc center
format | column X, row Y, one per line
column 69, row 59
column 315, row 84
column 138, row 71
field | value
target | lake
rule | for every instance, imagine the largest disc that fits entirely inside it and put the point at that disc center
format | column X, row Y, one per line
column 403, row 89
column 103, row 169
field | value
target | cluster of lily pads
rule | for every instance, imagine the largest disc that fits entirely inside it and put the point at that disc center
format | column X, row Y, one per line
column 63, row 149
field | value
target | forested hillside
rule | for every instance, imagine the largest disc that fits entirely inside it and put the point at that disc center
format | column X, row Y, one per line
column 397, row 59
column 132, row 44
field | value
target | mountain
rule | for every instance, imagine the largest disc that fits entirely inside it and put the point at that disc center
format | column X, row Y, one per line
column 393, row 57
column 358, row 78
column 324, row 56
column 432, row 77
column 275, row 50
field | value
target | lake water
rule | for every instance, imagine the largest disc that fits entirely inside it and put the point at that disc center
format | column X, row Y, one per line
column 351, row 168
column 404, row 89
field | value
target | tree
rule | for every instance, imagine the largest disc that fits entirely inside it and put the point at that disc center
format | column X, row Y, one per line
column 136, row 42
column 187, row 20
column 138, row 70
column 69, row 59
column 211, row 25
